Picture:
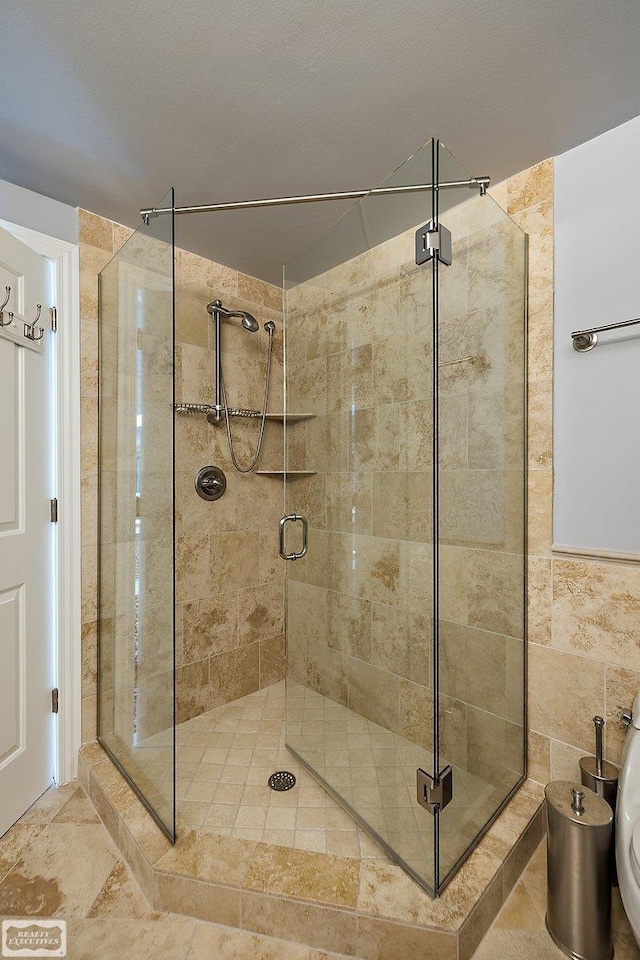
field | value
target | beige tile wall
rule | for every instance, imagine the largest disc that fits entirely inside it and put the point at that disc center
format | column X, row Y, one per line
column 229, row 577
column 482, row 523
column 528, row 199
column 359, row 355
column 359, row 622
column 584, row 612
column 230, row 582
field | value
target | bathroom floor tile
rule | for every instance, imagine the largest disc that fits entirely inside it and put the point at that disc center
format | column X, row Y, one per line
column 519, row 933
column 107, row 912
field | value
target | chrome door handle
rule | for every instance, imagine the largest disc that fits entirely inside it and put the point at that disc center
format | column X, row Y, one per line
column 293, row 518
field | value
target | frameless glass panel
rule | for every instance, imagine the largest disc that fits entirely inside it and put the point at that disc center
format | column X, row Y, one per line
column 136, row 676
column 359, row 321
column 481, row 522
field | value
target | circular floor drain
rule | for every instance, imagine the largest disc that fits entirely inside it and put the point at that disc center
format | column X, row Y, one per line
column 282, row 780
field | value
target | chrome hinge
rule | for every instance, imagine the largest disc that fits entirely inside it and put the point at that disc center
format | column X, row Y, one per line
column 431, row 241
column 54, row 319
column 54, row 510
column 55, row 700
column 434, row 793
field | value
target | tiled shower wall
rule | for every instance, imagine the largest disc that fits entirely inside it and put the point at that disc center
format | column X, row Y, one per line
column 359, row 355
column 230, row 582
column 584, row 612
column 482, row 520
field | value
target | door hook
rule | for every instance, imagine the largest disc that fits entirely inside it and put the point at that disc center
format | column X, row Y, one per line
column 3, row 322
column 30, row 328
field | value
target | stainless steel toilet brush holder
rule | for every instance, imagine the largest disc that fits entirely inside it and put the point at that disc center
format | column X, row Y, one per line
column 579, row 828
column 602, row 777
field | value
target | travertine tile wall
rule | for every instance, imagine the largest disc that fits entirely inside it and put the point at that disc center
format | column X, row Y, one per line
column 136, row 518
column 584, row 612
column 359, row 614
column 528, row 199
column 98, row 240
column 230, row 582
column 482, row 520
column 359, row 355
column 229, row 577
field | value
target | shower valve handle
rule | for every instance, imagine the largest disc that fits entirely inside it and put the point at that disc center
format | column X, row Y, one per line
column 210, row 483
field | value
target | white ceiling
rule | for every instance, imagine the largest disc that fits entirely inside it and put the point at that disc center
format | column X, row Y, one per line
column 106, row 104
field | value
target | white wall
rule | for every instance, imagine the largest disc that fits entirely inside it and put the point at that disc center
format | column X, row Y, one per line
column 38, row 212
column 597, row 394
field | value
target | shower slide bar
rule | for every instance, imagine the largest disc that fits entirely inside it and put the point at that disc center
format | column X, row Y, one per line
column 147, row 212
column 585, row 340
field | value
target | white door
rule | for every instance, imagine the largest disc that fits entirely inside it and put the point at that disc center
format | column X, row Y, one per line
column 26, row 546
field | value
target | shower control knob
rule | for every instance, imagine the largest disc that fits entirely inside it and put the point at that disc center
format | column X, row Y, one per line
column 210, row 483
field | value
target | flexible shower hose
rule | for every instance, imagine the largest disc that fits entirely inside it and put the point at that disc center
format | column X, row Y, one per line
column 263, row 415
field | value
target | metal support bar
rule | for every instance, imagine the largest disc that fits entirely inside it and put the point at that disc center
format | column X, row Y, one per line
column 217, row 413
column 584, row 340
column 481, row 182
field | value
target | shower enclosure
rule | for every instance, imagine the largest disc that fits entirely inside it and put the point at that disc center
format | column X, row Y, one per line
column 404, row 512
column 136, row 505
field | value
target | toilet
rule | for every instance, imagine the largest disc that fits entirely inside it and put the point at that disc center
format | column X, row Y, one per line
column 628, row 822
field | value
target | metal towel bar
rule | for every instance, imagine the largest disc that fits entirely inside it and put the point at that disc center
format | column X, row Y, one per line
column 584, row 340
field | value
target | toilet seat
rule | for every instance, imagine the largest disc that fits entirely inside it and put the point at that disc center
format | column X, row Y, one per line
column 635, row 852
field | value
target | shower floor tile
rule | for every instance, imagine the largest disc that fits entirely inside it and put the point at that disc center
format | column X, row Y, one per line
column 349, row 900
column 224, row 760
column 226, row 756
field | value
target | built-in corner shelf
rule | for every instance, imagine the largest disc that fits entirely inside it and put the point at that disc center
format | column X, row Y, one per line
column 287, row 474
column 290, row 417
column 252, row 414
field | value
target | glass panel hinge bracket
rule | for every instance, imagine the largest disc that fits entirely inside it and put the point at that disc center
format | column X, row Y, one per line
column 435, row 793
column 432, row 241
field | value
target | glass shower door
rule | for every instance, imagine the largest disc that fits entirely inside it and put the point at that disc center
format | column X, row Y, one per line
column 358, row 345
column 405, row 444
column 136, row 655
column 481, row 517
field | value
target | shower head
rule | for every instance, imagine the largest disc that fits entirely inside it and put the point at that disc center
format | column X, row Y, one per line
column 249, row 322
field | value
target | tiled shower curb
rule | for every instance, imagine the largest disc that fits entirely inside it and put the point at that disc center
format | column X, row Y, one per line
column 362, row 908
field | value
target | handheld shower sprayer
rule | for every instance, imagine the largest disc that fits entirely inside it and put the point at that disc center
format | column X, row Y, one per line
column 221, row 408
